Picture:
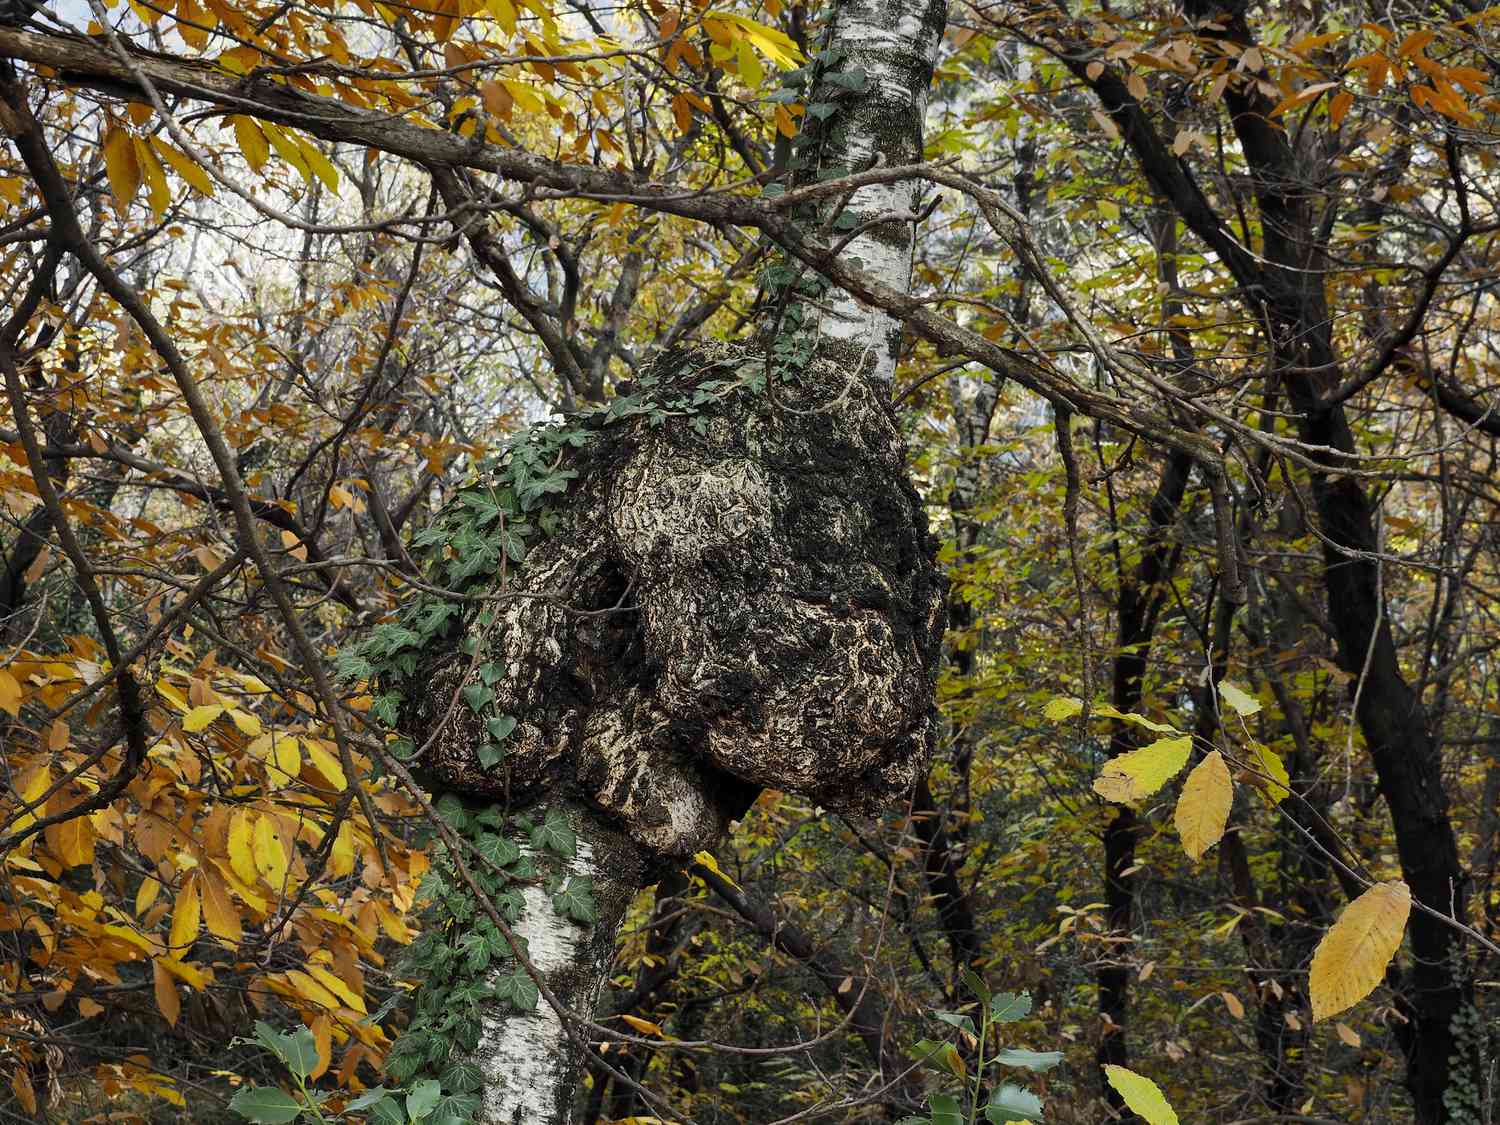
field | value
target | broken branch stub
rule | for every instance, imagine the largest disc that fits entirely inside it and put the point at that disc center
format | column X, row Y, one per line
column 738, row 590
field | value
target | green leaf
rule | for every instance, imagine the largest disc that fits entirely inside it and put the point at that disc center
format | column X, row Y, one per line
column 555, row 835
column 1028, row 1060
column 477, row 695
column 976, row 985
column 297, row 1051
column 1012, row 1103
column 387, row 1111
column 1141, row 1095
column 576, row 901
column 423, row 1098
column 463, row 1077
column 522, row 990
column 945, row 1110
column 266, row 1105
column 1008, row 1007
column 367, row 1099
column 931, row 1052
column 500, row 727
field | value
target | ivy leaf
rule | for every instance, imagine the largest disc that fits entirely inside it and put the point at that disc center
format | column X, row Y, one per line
column 477, row 695
column 387, row 1111
column 555, row 835
column 522, row 991
column 1141, row 1095
column 423, row 1099
column 1352, row 957
column 1203, row 809
column 576, row 901
column 463, row 1077
column 266, row 1105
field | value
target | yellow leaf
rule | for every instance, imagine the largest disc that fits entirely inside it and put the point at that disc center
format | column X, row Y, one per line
column 325, row 764
column 146, row 894
column 192, row 174
column 72, row 841
column 10, row 693
column 252, row 142
column 1109, row 209
column 201, row 717
column 165, row 987
column 504, row 12
column 1142, row 1095
column 1062, row 707
column 1142, row 772
column 186, row 914
column 270, row 857
column 121, row 167
column 328, row 980
column 290, row 151
column 1352, row 957
column 320, row 165
column 645, row 1027
column 1277, row 781
column 1203, row 809
column 322, row 1029
column 191, row 974
column 712, row 864
column 1232, row 1002
column 280, row 752
column 159, row 196
column 32, row 784
column 242, row 848
column 1238, row 700
column 219, row 912
column 775, row 45
column 248, row 723
column 751, row 72
column 311, row 990
column 342, row 856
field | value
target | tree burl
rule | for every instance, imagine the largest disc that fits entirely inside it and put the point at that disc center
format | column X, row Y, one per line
column 739, row 592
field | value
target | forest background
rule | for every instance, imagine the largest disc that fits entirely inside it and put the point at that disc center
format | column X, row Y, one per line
column 1198, row 388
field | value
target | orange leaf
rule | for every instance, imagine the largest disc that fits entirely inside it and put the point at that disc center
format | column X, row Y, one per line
column 165, row 987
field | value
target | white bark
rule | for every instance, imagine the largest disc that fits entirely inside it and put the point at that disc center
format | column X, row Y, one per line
column 531, row 1065
column 895, row 43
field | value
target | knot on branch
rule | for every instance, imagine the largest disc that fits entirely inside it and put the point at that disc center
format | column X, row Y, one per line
column 738, row 591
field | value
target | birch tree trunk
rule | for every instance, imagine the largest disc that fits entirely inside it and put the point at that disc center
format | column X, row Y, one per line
column 752, row 598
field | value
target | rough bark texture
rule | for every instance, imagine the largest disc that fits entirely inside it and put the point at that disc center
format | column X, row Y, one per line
column 736, row 594
column 740, row 597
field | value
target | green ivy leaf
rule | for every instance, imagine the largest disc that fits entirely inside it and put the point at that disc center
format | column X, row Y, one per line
column 463, row 1077
column 423, row 1099
column 555, row 835
column 576, row 901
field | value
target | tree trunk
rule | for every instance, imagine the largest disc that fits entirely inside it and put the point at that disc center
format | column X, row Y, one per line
column 725, row 581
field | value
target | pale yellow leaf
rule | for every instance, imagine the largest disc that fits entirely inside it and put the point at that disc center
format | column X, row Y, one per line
column 1062, row 707
column 1232, row 1002
column 1352, row 957
column 1203, row 809
column 1142, row 772
column 1276, row 781
column 1142, row 1095
column 183, row 165
column 270, row 855
column 1237, row 699
column 1347, row 1034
